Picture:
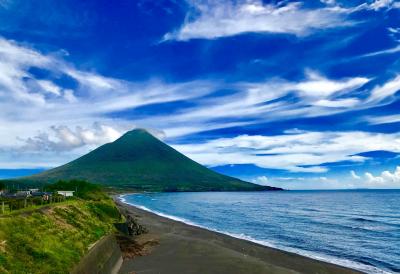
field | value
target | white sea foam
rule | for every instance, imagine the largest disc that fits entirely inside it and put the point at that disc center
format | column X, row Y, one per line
column 122, row 199
column 313, row 255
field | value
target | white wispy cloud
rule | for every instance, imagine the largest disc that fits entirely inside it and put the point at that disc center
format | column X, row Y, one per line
column 395, row 49
column 297, row 152
column 14, row 75
column 30, row 104
column 385, row 119
column 394, row 33
column 214, row 19
column 387, row 90
column 260, row 101
column 383, row 4
column 41, row 115
column 319, row 87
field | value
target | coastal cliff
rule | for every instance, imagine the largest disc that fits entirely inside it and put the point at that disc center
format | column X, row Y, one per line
column 53, row 238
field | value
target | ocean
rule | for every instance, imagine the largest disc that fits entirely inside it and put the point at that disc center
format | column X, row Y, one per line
column 354, row 228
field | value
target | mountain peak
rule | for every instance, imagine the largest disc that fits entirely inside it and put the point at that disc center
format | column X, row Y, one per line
column 138, row 132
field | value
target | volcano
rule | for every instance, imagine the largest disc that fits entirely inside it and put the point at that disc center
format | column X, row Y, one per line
column 140, row 161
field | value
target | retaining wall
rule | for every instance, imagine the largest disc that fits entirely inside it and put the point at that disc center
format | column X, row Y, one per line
column 104, row 257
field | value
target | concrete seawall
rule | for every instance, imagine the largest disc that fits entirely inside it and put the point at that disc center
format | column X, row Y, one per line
column 104, row 257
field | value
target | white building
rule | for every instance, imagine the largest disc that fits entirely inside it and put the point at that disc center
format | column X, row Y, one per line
column 66, row 193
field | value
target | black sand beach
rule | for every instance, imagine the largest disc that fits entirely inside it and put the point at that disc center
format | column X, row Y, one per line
column 174, row 247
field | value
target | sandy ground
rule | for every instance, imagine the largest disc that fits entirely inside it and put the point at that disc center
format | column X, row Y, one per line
column 178, row 248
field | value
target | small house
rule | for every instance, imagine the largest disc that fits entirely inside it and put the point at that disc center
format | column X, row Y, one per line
column 66, row 193
column 23, row 193
column 45, row 195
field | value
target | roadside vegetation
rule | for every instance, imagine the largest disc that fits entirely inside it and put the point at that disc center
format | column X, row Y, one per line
column 52, row 238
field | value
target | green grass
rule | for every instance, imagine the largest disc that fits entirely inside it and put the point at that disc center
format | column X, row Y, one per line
column 32, row 208
column 139, row 161
column 53, row 239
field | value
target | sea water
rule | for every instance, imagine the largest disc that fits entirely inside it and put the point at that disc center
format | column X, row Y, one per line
column 354, row 228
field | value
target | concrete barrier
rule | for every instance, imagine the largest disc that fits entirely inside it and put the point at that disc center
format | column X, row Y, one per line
column 104, row 257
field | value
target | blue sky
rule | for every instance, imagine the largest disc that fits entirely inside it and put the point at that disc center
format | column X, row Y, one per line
column 295, row 94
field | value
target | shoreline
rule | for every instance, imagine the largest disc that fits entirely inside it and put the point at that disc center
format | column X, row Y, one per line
column 219, row 252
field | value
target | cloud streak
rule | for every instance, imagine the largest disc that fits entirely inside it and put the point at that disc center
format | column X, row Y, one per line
column 215, row 19
column 296, row 152
column 49, row 117
column 387, row 119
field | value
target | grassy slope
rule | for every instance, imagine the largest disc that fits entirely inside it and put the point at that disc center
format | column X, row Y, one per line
column 142, row 162
column 53, row 239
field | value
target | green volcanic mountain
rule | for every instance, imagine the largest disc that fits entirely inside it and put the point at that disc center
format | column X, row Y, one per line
column 140, row 161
